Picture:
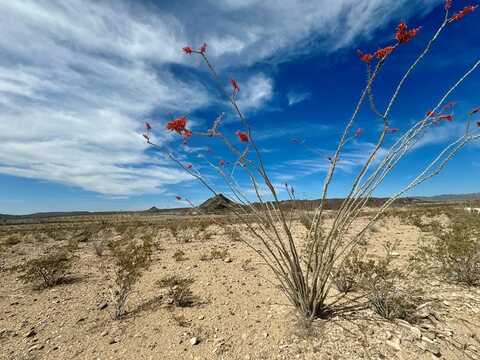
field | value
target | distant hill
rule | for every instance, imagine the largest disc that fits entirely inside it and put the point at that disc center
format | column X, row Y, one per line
column 453, row 197
column 215, row 204
column 221, row 203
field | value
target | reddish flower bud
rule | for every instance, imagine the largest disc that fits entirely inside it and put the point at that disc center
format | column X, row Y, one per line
column 383, row 53
column 403, row 35
column 466, row 10
column 187, row 50
column 359, row 132
column 448, row 117
column 178, row 198
column 203, row 49
column 449, row 106
column 364, row 57
column 448, row 4
column 478, row 124
column 391, row 130
column 189, row 166
column 179, row 126
column 431, row 114
column 235, row 86
column 147, row 126
column 242, row 136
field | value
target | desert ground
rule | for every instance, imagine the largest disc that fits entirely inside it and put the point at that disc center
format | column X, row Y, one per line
column 234, row 311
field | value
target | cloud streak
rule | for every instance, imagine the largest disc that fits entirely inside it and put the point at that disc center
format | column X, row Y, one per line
column 77, row 80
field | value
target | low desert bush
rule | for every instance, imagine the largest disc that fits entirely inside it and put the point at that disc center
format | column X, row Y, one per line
column 48, row 270
column 391, row 301
column 306, row 220
column 453, row 253
column 178, row 290
column 130, row 260
column 215, row 254
column 11, row 240
column 233, row 233
column 179, row 255
column 99, row 247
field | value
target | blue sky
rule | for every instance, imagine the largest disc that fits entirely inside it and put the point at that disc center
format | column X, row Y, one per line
column 79, row 78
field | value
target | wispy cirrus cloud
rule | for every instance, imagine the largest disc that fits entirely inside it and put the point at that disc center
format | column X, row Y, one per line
column 77, row 80
column 297, row 97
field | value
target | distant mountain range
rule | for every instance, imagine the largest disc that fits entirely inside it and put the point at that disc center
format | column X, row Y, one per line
column 221, row 203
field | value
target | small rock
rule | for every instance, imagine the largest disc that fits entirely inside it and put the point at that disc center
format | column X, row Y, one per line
column 228, row 260
column 36, row 347
column 265, row 335
column 114, row 341
column 104, row 333
column 31, row 333
column 388, row 335
column 395, row 344
column 394, row 254
column 103, row 305
column 194, row 341
column 201, row 317
column 431, row 347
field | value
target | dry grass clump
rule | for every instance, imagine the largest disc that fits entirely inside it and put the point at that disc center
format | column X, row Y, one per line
column 391, row 301
column 11, row 240
column 178, row 290
column 98, row 247
column 131, row 260
column 215, row 254
column 380, row 283
column 179, row 255
column 48, row 270
column 453, row 253
column 233, row 233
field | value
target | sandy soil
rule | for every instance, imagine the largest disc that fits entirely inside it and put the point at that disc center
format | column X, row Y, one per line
column 239, row 313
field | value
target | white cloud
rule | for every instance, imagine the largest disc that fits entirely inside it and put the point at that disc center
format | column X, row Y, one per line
column 318, row 162
column 297, row 97
column 76, row 82
column 77, row 79
column 256, row 91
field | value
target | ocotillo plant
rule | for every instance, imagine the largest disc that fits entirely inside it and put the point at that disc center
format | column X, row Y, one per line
column 304, row 272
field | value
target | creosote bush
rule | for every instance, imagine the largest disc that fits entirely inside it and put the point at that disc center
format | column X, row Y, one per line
column 178, row 290
column 47, row 270
column 453, row 253
column 179, row 255
column 131, row 259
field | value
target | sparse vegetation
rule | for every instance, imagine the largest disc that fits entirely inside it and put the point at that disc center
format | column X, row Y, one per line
column 453, row 253
column 215, row 254
column 178, row 290
column 131, row 259
column 48, row 270
column 179, row 255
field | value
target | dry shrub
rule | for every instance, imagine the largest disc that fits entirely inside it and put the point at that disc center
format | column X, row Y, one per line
column 178, row 290
column 233, row 233
column 179, row 255
column 390, row 301
column 49, row 270
column 131, row 259
column 11, row 240
column 215, row 254
column 306, row 220
column 380, row 282
column 99, row 247
column 453, row 253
